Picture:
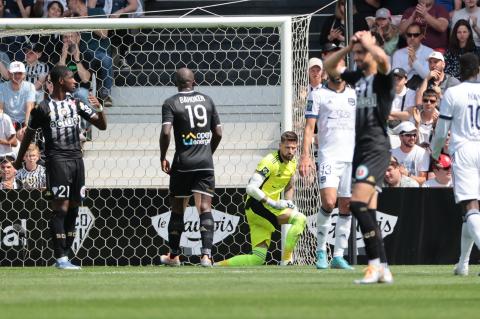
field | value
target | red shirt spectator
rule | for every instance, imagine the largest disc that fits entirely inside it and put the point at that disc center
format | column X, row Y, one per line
column 435, row 19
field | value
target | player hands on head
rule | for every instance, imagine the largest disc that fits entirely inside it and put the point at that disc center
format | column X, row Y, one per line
column 375, row 91
column 58, row 118
column 264, row 208
column 197, row 132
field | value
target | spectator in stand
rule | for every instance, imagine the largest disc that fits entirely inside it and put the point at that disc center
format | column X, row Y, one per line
column 7, row 174
column 362, row 10
column 395, row 178
column 36, row 71
column 41, row 7
column 434, row 18
column 403, row 102
column 426, row 117
column 96, row 51
column 4, row 59
column 333, row 29
column 461, row 42
column 18, row 8
column 17, row 97
column 386, row 30
column 414, row 158
column 413, row 58
column 450, row 5
column 7, row 135
column 52, row 42
column 398, row 7
column 436, row 78
column 471, row 13
column 443, row 173
column 315, row 68
column 32, row 175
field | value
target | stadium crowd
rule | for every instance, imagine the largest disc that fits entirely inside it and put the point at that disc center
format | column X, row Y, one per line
column 25, row 62
column 424, row 40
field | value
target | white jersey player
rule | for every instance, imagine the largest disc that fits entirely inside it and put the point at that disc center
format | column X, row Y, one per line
column 332, row 109
column 460, row 113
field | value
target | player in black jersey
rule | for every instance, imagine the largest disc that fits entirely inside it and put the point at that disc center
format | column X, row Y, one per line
column 197, row 132
column 58, row 117
column 375, row 93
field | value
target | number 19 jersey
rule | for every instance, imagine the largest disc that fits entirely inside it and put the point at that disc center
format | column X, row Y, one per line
column 193, row 116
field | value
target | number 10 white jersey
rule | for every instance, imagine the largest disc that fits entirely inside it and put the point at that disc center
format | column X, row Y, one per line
column 335, row 114
column 461, row 105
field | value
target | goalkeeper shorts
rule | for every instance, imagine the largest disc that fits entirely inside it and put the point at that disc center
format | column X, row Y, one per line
column 262, row 222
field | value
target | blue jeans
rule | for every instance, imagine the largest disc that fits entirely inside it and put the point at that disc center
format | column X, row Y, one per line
column 102, row 63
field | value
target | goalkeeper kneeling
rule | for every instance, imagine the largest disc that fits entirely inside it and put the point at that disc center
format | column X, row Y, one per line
column 265, row 210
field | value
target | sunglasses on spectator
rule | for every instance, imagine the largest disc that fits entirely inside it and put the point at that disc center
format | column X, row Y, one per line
column 429, row 101
column 409, row 134
column 413, row 35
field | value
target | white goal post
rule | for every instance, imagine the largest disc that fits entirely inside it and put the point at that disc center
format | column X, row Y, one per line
column 254, row 68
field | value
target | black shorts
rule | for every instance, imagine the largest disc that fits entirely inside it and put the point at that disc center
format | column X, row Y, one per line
column 65, row 179
column 183, row 184
column 369, row 165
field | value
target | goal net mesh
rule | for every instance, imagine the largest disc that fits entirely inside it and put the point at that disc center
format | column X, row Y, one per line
column 126, row 209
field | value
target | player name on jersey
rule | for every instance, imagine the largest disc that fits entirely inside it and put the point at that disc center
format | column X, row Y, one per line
column 191, row 99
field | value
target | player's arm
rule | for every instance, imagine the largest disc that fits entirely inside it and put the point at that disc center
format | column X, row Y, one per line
column 165, row 135
column 332, row 61
column 368, row 42
column 98, row 119
column 443, row 125
column 305, row 159
column 216, row 137
column 254, row 190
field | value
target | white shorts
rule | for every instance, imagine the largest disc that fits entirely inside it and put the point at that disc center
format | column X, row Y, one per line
column 337, row 175
column 466, row 172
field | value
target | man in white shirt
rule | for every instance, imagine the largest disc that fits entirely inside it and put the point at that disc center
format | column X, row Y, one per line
column 460, row 114
column 17, row 96
column 403, row 101
column 7, row 135
column 471, row 13
column 332, row 110
column 413, row 58
column 414, row 158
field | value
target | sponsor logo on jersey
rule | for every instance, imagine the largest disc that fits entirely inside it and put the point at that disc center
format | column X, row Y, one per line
column 309, row 105
column 65, row 122
column 83, row 223
column 386, row 223
column 225, row 225
column 202, row 138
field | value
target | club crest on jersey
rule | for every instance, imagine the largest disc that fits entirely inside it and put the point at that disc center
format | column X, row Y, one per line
column 361, row 172
column 265, row 171
column 351, row 101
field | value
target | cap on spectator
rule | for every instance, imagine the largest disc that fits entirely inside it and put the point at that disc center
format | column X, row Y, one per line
column 394, row 162
column 436, row 55
column 16, row 67
column 330, row 46
column 400, row 72
column 443, row 161
column 404, row 127
column 35, row 47
column 315, row 62
column 383, row 13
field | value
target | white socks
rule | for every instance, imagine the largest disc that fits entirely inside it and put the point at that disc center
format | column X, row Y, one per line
column 323, row 224
column 472, row 218
column 466, row 244
column 342, row 232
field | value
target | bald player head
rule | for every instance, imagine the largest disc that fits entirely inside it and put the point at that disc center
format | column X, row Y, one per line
column 184, row 79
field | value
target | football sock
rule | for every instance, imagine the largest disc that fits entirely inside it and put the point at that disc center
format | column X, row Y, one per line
column 69, row 226
column 368, row 226
column 175, row 230
column 57, row 231
column 323, row 223
column 206, row 232
column 256, row 258
column 473, row 222
column 342, row 232
column 466, row 244
column 383, row 255
column 298, row 222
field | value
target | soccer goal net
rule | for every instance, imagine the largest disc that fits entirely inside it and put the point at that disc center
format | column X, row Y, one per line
column 254, row 68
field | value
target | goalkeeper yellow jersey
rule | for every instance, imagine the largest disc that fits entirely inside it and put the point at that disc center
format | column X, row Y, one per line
column 277, row 174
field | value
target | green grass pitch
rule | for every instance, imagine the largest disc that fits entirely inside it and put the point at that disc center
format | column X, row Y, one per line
column 254, row 292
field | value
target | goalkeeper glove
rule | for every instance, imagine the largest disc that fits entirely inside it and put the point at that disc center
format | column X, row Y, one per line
column 280, row 204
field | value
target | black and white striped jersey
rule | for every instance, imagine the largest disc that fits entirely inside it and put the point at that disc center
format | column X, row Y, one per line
column 34, row 72
column 60, row 123
column 32, row 179
column 375, row 94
